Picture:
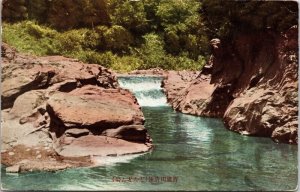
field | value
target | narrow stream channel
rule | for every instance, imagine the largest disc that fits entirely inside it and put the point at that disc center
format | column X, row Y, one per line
column 191, row 153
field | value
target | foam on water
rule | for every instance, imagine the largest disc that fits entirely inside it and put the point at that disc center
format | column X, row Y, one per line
column 147, row 90
column 112, row 160
column 201, row 152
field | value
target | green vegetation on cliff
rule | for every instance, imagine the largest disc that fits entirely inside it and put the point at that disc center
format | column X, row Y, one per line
column 136, row 34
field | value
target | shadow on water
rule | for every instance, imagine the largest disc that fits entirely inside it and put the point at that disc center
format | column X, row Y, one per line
column 198, row 151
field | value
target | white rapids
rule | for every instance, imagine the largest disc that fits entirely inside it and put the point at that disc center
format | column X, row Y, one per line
column 147, row 90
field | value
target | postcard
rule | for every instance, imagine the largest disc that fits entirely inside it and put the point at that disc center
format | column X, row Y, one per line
column 149, row 95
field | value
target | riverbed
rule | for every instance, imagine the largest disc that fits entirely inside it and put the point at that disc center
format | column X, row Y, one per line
column 190, row 153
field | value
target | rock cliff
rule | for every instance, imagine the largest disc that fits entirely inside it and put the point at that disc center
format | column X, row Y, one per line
column 252, row 83
column 58, row 112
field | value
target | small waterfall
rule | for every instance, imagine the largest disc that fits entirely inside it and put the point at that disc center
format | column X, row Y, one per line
column 147, row 90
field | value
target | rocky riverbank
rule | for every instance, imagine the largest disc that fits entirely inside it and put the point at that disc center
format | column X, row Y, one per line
column 58, row 113
column 252, row 83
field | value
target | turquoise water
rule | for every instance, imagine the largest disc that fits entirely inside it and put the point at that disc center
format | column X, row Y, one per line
column 191, row 153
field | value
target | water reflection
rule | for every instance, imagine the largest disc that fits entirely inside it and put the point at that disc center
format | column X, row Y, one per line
column 199, row 151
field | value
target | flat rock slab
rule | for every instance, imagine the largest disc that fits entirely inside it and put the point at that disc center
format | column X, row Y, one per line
column 101, row 146
column 25, row 159
column 91, row 106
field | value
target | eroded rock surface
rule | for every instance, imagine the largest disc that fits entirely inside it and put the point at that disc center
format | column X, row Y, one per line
column 63, row 107
column 175, row 82
column 251, row 83
column 31, row 73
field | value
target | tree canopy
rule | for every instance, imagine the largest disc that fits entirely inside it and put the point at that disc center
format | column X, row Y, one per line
column 169, row 28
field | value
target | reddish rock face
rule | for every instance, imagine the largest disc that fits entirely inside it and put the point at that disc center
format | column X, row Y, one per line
column 175, row 81
column 63, row 107
column 24, row 73
column 91, row 106
column 92, row 145
column 251, row 83
column 96, row 111
column 268, row 106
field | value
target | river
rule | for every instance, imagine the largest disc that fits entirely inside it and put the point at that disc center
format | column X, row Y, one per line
column 190, row 153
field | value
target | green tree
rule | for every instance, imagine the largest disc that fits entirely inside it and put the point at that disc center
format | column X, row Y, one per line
column 69, row 14
column 152, row 51
column 129, row 14
column 225, row 18
column 14, row 10
column 118, row 39
column 71, row 41
column 183, row 28
column 38, row 10
column 64, row 14
column 150, row 7
column 94, row 12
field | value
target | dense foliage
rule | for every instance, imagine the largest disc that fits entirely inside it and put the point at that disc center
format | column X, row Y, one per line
column 137, row 34
column 225, row 18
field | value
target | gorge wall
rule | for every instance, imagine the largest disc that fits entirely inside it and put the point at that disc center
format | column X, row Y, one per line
column 252, row 83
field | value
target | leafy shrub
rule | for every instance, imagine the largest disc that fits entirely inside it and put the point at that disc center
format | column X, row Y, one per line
column 90, row 46
column 129, row 14
column 126, row 63
column 117, row 38
column 92, row 40
column 152, row 51
column 106, row 59
column 71, row 41
column 38, row 31
column 28, row 37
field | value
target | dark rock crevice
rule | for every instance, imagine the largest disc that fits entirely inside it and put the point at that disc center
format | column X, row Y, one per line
column 63, row 107
column 250, row 82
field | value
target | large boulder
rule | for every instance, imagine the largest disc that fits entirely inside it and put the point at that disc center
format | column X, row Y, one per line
column 91, row 106
column 92, row 110
column 192, row 97
column 55, row 111
column 22, row 75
